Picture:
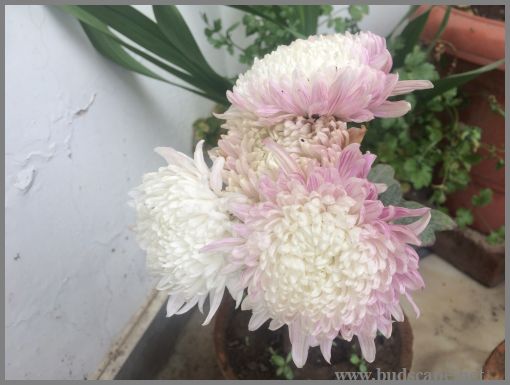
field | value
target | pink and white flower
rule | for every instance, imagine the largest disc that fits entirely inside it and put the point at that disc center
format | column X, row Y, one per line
column 342, row 75
column 305, row 139
column 322, row 254
column 181, row 208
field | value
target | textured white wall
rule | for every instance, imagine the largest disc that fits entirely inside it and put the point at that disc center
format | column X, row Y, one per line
column 80, row 133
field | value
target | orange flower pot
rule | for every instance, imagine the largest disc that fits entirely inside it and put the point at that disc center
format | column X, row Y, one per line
column 476, row 41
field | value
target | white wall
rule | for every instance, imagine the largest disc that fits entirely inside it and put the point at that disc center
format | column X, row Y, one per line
column 80, row 133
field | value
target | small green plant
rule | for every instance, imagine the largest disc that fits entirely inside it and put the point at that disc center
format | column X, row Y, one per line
column 272, row 26
column 496, row 237
column 483, row 198
column 495, row 106
column 358, row 362
column 209, row 129
column 463, row 217
column 430, row 149
column 282, row 364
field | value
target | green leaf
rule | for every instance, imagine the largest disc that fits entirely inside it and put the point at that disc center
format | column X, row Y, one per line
column 289, row 357
column 355, row 360
column 412, row 9
column 287, row 372
column 145, row 33
column 440, row 30
column 357, row 11
column 452, row 81
column 411, row 36
column 463, row 217
column 279, row 371
column 363, row 367
column 309, row 16
column 140, row 29
column 497, row 236
column 176, row 30
column 108, row 47
column 257, row 11
column 277, row 360
column 419, row 173
column 439, row 221
column 483, row 198
column 383, row 173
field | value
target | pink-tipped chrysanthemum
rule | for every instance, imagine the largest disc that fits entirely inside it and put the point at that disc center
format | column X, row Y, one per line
column 342, row 75
column 305, row 139
column 181, row 208
column 321, row 253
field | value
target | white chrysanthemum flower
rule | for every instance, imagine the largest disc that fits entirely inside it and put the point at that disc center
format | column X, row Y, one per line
column 322, row 254
column 306, row 140
column 180, row 209
column 342, row 75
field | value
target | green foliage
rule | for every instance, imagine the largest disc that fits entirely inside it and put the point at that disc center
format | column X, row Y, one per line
column 166, row 40
column 358, row 362
column 439, row 221
column 483, row 198
column 430, row 148
column 209, row 129
column 282, row 364
column 383, row 173
column 496, row 236
column 495, row 106
column 463, row 217
column 271, row 26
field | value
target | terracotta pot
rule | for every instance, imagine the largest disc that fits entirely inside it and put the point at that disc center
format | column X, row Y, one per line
column 477, row 41
column 228, row 320
column 494, row 367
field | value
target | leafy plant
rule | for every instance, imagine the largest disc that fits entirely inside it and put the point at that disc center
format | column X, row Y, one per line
column 167, row 43
column 272, row 26
column 496, row 236
column 209, row 128
column 439, row 221
column 282, row 364
column 430, row 148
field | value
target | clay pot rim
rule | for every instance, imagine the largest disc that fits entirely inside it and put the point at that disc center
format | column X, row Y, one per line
column 494, row 353
column 468, row 52
column 462, row 14
column 227, row 308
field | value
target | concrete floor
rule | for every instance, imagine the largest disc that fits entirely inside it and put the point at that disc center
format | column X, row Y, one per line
column 461, row 322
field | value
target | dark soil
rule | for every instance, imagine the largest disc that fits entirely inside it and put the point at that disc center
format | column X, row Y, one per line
column 248, row 353
column 494, row 12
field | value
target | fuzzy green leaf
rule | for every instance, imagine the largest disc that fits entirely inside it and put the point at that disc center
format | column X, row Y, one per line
column 383, row 173
column 439, row 221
